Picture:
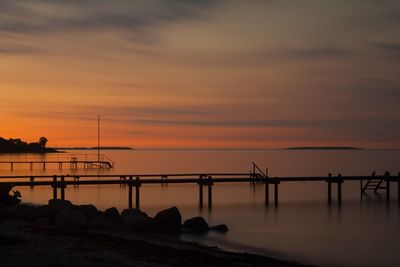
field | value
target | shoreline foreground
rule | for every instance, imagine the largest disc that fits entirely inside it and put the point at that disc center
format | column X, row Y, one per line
column 44, row 241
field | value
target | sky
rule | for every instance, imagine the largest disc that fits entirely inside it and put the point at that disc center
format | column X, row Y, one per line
column 201, row 74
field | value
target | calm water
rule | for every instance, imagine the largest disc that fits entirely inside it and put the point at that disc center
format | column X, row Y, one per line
column 302, row 228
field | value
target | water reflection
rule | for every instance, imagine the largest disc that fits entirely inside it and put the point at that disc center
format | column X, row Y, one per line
column 363, row 231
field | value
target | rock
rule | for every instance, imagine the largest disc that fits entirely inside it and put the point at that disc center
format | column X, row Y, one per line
column 169, row 220
column 104, row 223
column 58, row 205
column 2, row 213
column 43, row 221
column 89, row 211
column 44, row 211
column 196, row 224
column 130, row 216
column 21, row 212
column 222, row 228
column 70, row 219
column 146, row 225
column 6, row 199
column 112, row 214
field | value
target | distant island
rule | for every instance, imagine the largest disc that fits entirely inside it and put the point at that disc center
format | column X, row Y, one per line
column 95, row 148
column 18, row 146
column 323, row 148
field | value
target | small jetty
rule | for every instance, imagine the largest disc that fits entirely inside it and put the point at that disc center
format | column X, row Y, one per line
column 74, row 162
column 205, row 182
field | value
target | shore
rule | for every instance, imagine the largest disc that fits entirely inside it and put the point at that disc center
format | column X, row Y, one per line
column 36, row 244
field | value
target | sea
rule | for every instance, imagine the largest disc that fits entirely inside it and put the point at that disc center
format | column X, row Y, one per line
column 363, row 231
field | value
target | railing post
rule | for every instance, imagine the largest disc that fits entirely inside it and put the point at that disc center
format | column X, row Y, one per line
column 387, row 174
column 54, row 187
column 201, row 191
column 210, row 183
column 266, row 185
column 137, row 192
column 329, row 188
column 62, row 187
column 130, row 191
column 339, row 184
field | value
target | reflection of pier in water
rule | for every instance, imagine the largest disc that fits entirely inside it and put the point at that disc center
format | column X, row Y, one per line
column 74, row 162
column 201, row 179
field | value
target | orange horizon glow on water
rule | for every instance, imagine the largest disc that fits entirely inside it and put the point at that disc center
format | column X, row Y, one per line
column 213, row 75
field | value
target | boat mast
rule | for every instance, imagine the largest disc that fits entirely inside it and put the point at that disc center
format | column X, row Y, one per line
column 98, row 138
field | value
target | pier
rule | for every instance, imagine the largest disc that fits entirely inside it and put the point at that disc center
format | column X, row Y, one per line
column 207, row 180
column 74, row 162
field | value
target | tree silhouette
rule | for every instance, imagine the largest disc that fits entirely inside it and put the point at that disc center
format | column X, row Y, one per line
column 43, row 141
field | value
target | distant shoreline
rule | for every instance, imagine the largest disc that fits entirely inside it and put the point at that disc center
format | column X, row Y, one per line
column 323, row 148
column 96, row 148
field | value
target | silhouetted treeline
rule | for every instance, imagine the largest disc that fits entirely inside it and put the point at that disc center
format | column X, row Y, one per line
column 18, row 146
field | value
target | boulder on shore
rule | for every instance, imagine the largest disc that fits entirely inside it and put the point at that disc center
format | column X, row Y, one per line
column 222, row 228
column 130, row 216
column 169, row 220
column 112, row 214
column 44, row 211
column 146, row 225
column 89, row 211
column 70, row 219
column 102, row 222
column 21, row 212
column 58, row 205
column 196, row 224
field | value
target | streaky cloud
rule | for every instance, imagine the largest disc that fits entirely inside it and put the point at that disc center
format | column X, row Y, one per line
column 57, row 16
column 317, row 53
column 18, row 49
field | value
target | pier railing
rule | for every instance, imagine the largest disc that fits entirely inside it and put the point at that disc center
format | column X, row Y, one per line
column 201, row 179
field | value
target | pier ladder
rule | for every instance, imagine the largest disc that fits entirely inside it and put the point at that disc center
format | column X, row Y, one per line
column 373, row 184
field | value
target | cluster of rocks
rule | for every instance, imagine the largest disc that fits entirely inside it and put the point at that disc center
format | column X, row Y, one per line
column 63, row 214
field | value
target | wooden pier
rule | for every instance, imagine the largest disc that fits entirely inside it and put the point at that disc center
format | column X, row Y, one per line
column 60, row 182
column 73, row 164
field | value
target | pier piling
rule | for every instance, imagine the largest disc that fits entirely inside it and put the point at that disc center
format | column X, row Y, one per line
column 329, row 188
column 339, row 187
column 210, row 183
column 62, row 185
column 276, row 193
column 398, row 187
column 54, row 185
column 137, row 192
column 387, row 178
column 130, row 183
column 266, row 185
column 201, row 191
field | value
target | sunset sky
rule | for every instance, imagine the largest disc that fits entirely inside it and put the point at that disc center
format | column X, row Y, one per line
column 201, row 74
